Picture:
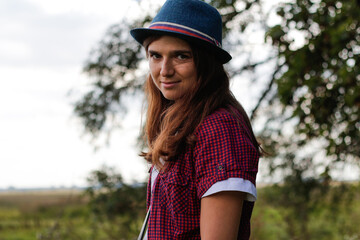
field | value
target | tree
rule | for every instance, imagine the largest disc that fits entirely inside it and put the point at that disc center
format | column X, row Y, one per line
column 318, row 83
column 112, row 200
column 317, row 87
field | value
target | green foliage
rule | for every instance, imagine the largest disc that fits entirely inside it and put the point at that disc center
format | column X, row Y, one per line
column 319, row 82
column 268, row 223
column 113, row 201
column 275, row 218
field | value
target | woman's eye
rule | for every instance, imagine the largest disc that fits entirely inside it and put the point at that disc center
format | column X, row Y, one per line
column 154, row 55
column 182, row 56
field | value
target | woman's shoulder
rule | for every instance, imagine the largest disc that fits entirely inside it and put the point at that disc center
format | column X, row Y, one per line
column 219, row 119
column 223, row 114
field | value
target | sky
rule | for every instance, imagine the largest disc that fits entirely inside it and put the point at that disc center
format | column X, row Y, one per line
column 43, row 47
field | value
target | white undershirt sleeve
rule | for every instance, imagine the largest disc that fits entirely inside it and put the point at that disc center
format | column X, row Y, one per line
column 234, row 184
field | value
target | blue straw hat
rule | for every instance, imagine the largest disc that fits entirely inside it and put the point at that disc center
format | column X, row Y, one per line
column 192, row 20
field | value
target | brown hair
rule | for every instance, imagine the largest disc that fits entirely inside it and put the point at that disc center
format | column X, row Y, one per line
column 170, row 125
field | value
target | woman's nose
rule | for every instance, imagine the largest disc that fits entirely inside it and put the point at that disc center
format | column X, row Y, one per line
column 167, row 68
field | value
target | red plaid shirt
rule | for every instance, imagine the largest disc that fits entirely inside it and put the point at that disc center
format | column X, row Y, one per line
column 223, row 150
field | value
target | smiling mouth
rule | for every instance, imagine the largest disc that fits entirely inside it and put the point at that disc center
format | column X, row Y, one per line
column 169, row 84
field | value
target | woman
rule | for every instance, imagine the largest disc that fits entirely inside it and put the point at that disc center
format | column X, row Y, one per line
column 203, row 152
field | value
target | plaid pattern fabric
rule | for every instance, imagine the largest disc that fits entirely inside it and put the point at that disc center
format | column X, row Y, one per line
column 223, row 150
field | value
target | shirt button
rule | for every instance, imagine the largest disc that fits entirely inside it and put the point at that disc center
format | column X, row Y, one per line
column 220, row 167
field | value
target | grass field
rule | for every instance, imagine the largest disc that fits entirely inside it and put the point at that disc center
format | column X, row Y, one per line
column 27, row 215
column 66, row 215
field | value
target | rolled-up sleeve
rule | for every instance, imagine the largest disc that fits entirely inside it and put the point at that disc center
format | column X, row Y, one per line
column 223, row 150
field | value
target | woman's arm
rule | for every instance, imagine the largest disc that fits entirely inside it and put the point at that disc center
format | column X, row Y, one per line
column 220, row 215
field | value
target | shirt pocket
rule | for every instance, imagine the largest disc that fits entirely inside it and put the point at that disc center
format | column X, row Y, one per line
column 175, row 194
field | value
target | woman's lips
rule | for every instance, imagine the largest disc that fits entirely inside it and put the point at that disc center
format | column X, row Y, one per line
column 169, row 84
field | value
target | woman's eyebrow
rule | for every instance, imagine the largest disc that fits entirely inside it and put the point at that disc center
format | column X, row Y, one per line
column 152, row 52
column 175, row 52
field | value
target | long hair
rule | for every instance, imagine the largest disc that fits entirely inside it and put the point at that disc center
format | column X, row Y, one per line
column 170, row 125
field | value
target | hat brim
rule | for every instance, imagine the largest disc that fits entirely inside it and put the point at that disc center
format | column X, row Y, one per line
column 140, row 34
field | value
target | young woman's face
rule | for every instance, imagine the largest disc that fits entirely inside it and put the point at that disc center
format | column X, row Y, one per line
column 172, row 66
